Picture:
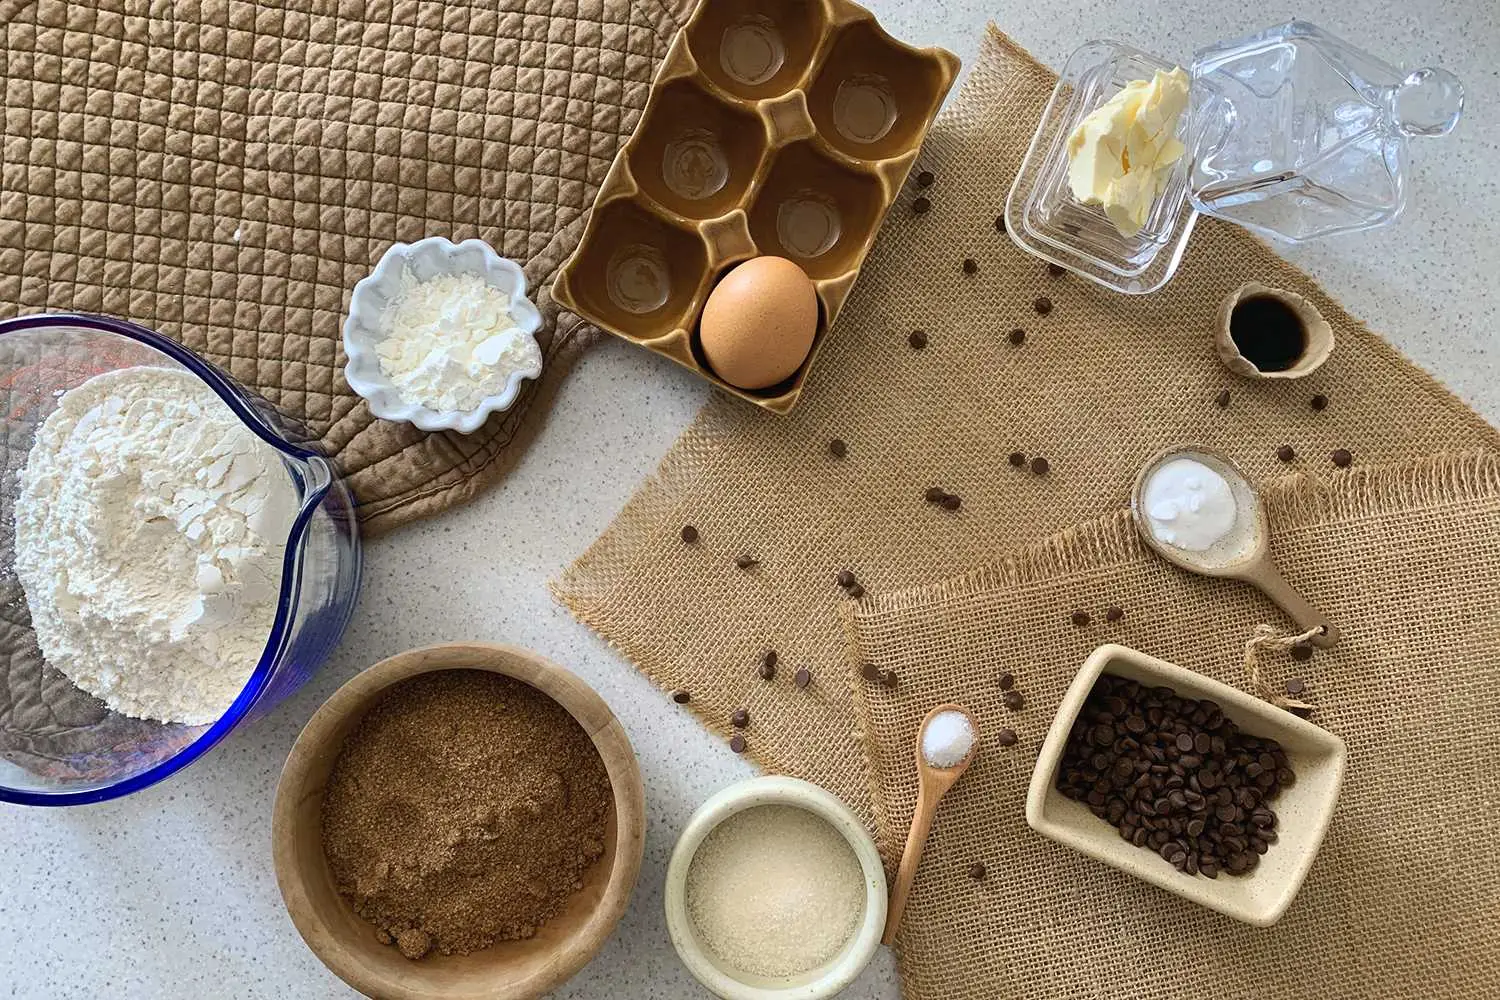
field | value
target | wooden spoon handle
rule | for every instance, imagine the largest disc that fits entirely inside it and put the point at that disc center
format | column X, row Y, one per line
column 911, row 859
column 1271, row 583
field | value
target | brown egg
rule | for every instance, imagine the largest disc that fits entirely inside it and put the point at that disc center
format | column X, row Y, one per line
column 759, row 322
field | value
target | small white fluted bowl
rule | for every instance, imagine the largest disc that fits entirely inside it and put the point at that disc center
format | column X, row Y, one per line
column 373, row 296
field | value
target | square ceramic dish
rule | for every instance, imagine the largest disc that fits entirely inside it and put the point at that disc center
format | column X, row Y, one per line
column 1303, row 810
column 774, row 127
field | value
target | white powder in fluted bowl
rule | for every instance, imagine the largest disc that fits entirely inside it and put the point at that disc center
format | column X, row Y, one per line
column 947, row 738
column 775, row 891
column 150, row 531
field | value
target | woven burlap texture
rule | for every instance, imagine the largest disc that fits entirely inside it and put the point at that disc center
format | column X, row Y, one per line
column 1405, row 559
column 225, row 171
column 1100, row 383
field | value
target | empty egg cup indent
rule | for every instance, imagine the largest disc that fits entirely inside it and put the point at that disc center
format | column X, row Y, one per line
column 756, row 48
column 872, row 98
column 864, row 108
column 815, row 211
column 637, row 279
column 695, row 154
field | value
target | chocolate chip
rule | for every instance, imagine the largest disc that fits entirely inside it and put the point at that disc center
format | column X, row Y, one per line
column 837, row 448
column 869, row 671
column 1018, row 459
column 917, row 339
column 737, row 743
column 746, row 561
column 1222, row 399
column 1040, row 466
column 1301, row 652
column 1018, row 336
column 1318, row 402
column 689, row 534
column 1342, row 457
column 1184, row 742
column 934, row 494
column 845, row 579
column 1042, row 305
column 1007, row 681
column 855, row 591
column 925, row 179
column 921, row 206
column 976, row 872
column 768, row 665
column 1285, row 453
column 681, row 697
column 1295, row 686
column 971, row 266
column 999, row 223
column 890, row 679
column 950, row 502
column 1081, row 618
column 803, row 677
column 1056, row 270
column 1013, row 700
column 740, row 719
column 1006, row 737
column 1114, row 613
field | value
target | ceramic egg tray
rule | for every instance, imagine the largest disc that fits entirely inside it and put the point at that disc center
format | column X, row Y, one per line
column 774, row 127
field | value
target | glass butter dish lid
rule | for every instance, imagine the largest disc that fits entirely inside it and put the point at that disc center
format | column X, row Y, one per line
column 1290, row 132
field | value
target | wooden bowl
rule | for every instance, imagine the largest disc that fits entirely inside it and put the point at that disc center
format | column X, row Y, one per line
column 507, row 970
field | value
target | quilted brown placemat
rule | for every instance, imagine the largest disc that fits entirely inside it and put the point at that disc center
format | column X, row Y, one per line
column 1400, row 902
column 224, row 172
column 1100, row 382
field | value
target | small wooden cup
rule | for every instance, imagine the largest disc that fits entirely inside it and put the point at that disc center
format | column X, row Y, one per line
column 1319, row 334
column 508, row 970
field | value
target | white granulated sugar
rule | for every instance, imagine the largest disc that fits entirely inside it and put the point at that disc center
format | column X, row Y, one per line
column 947, row 738
column 150, row 530
column 775, row 891
column 451, row 340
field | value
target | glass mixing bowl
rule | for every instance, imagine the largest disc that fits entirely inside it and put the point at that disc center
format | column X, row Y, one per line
column 60, row 746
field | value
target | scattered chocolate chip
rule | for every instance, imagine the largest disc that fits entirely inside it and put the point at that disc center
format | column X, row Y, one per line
column 1114, row 613
column 1056, row 270
column 1013, row 700
column 855, row 591
column 1285, row 453
column 768, row 665
column 803, row 677
column 1018, row 459
column 1017, row 336
column 837, row 448
column 1318, row 402
column 869, row 671
column 1006, row 737
column 1301, row 652
column 1040, row 466
column 845, row 579
column 746, row 561
column 740, row 719
column 999, row 223
column 890, row 679
column 1222, row 399
column 1295, row 686
column 1042, row 305
column 1007, row 681
column 1342, row 457
column 921, row 206
column 689, row 534
column 917, row 339
column 971, row 266
column 681, row 697
column 934, row 494
column 925, row 179
column 737, row 743
column 950, row 502
column 976, row 872
column 1081, row 618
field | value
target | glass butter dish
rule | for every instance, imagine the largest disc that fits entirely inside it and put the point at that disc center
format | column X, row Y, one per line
column 1291, row 132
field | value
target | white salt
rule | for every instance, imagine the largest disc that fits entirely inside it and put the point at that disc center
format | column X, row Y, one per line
column 947, row 738
column 775, row 891
column 1189, row 505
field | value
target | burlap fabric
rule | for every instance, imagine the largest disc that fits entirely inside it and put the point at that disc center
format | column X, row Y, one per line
column 1101, row 382
column 1400, row 901
column 225, row 171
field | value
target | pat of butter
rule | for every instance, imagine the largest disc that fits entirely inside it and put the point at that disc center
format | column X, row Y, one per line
column 1121, row 155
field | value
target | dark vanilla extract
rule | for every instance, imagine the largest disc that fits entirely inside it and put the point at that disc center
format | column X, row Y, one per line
column 1268, row 333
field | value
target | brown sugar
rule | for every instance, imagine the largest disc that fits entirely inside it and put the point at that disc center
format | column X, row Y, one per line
column 463, row 810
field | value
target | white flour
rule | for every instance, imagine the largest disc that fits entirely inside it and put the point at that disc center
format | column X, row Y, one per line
column 451, row 341
column 150, row 531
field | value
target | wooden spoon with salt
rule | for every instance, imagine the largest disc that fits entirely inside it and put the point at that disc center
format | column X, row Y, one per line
column 933, row 783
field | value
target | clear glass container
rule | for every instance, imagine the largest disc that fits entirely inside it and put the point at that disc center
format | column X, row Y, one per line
column 59, row 746
column 1291, row 132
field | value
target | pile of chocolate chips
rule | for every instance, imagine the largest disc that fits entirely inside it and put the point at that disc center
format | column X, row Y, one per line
column 1174, row 775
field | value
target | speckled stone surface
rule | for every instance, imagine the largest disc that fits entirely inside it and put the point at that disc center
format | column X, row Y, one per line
column 170, row 894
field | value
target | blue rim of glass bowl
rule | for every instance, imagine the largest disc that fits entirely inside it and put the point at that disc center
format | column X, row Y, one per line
column 290, row 569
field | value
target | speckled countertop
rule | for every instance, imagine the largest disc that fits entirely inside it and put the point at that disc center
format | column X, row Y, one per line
column 169, row 894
